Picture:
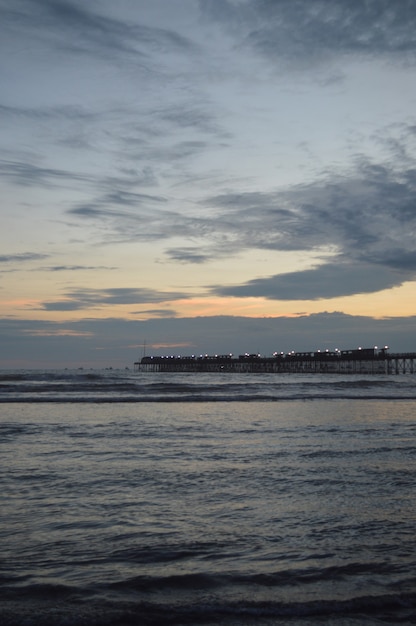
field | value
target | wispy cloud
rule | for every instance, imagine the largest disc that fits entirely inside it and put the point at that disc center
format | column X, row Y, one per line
column 74, row 27
column 198, row 117
column 93, row 298
column 155, row 313
column 22, row 257
column 28, row 174
column 72, row 113
column 75, row 268
column 305, row 33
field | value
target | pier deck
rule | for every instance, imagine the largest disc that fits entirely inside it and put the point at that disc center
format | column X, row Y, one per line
column 361, row 361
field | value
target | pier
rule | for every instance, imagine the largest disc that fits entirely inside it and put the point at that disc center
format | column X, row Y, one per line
column 358, row 361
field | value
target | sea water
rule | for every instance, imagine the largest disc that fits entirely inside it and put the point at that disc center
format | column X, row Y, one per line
column 131, row 498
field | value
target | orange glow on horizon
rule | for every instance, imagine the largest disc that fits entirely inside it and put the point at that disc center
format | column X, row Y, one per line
column 397, row 302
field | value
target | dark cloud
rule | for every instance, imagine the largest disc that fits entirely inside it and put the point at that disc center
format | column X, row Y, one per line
column 62, row 306
column 327, row 281
column 161, row 313
column 120, row 197
column 398, row 259
column 93, row 298
column 306, row 32
column 24, row 256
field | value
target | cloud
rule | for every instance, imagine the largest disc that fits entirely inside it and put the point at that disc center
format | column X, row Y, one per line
column 71, row 26
column 196, row 117
column 361, row 221
column 156, row 313
column 62, row 305
column 49, row 113
column 65, row 125
column 26, row 174
column 93, row 298
column 127, row 198
column 163, row 148
column 23, row 257
column 144, row 222
column 190, row 254
column 398, row 259
column 364, row 220
column 327, row 281
column 76, row 268
column 306, row 32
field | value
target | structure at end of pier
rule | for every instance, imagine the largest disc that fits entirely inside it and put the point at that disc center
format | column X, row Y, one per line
column 358, row 361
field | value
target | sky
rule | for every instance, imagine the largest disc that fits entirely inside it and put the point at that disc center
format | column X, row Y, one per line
column 205, row 176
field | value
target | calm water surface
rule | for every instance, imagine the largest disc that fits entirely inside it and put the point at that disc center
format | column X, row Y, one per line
column 187, row 499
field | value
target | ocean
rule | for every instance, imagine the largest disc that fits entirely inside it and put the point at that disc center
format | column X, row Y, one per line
column 229, row 499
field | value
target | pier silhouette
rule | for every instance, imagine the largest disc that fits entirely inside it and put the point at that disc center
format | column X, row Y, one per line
column 357, row 361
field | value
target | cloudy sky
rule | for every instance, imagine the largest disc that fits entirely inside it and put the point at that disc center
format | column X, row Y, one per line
column 205, row 176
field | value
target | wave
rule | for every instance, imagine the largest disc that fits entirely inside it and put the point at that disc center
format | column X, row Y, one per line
column 58, row 606
column 186, row 399
column 124, row 386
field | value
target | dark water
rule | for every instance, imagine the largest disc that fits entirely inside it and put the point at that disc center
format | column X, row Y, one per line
column 206, row 499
